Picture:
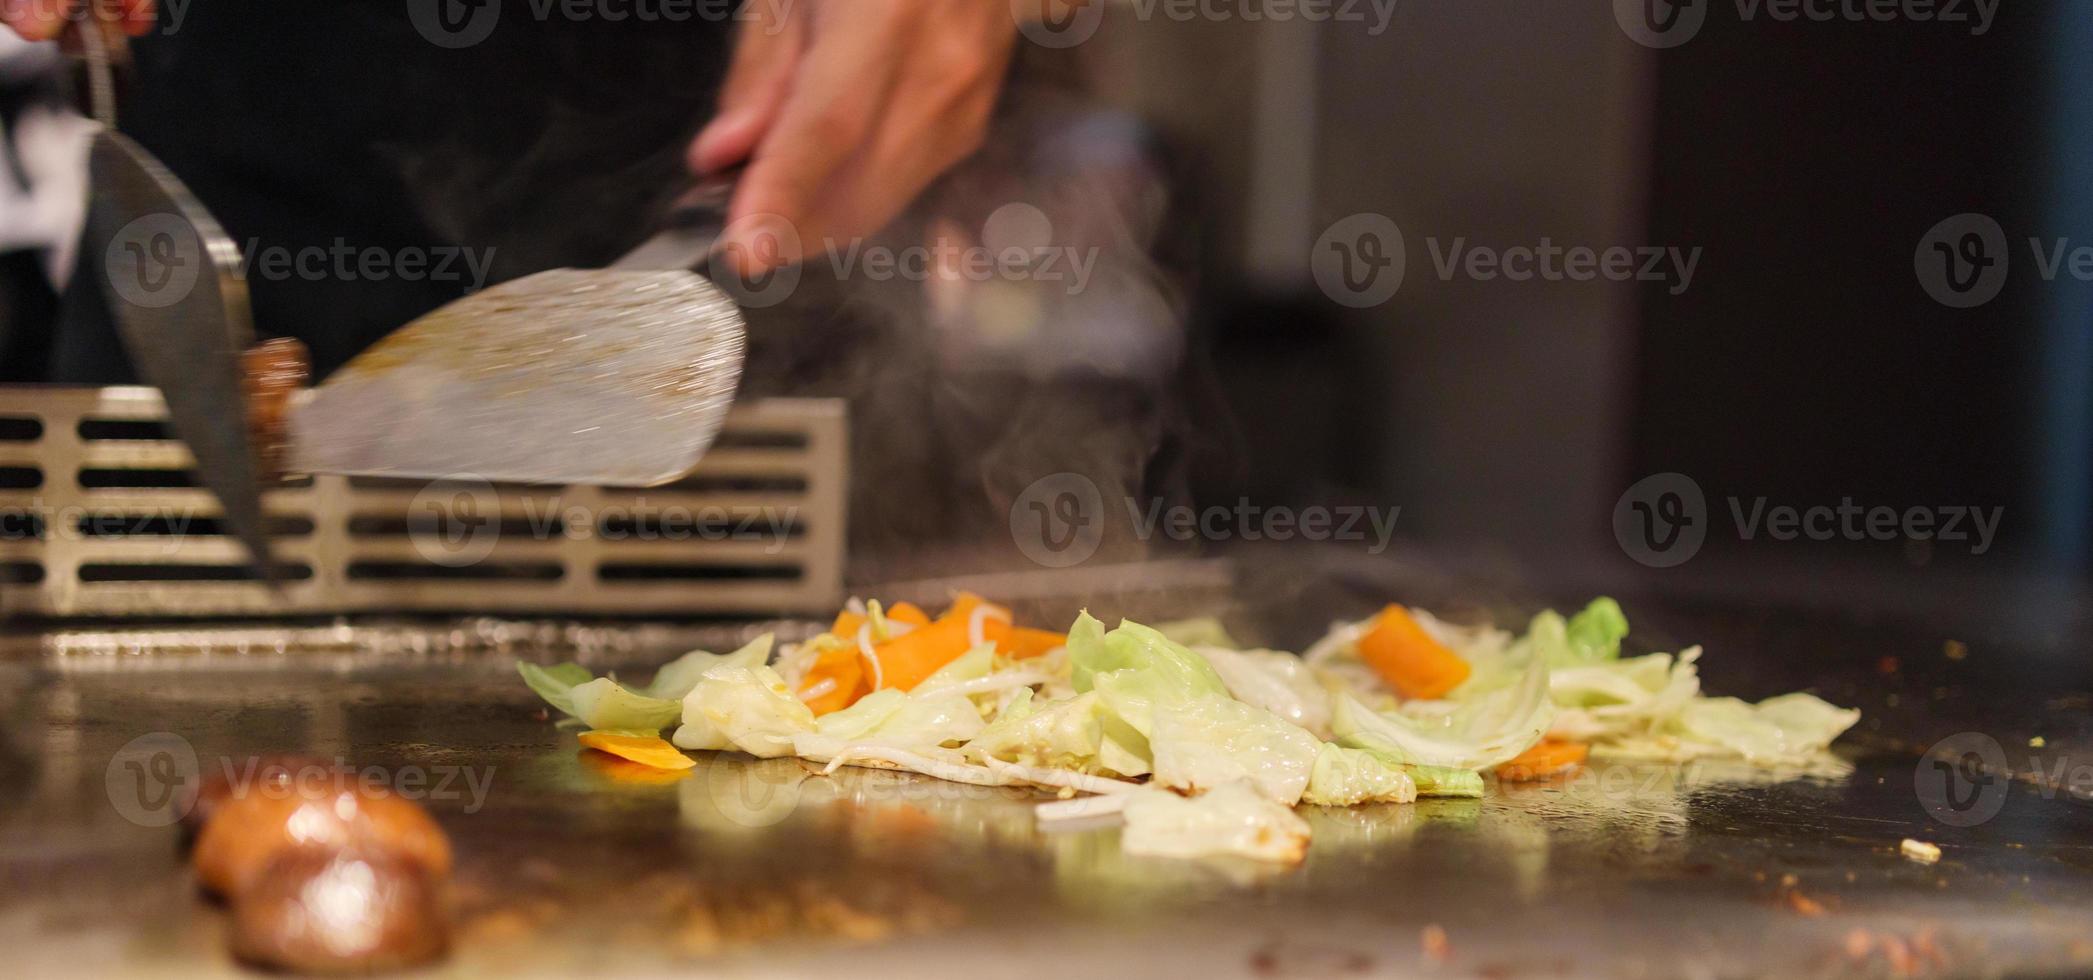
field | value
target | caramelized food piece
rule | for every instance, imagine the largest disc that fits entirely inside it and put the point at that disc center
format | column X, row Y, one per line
column 340, row 911
column 251, row 830
column 274, row 370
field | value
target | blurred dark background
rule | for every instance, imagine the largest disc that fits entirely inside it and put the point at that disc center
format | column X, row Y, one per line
column 1805, row 364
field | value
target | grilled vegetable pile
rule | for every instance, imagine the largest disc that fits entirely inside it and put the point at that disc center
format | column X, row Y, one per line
column 1200, row 746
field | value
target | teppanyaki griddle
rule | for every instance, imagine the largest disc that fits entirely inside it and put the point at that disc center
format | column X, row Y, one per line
column 569, row 865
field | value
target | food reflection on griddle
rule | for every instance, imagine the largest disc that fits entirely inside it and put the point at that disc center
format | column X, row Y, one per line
column 322, row 874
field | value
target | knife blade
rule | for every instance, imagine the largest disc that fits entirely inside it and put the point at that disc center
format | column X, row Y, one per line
column 172, row 281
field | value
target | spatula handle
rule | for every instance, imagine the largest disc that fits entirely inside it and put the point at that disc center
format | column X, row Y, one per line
column 693, row 223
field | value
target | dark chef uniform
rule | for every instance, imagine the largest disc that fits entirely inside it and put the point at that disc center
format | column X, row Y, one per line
column 529, row 134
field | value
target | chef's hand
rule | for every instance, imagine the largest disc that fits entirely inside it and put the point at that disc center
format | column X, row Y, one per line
column 846, row 110
column 42, row 20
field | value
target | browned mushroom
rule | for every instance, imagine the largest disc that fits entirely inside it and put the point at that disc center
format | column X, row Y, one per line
column 248, row 831
column 340, row 911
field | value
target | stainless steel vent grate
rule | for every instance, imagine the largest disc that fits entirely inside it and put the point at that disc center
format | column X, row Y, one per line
column 101, row 515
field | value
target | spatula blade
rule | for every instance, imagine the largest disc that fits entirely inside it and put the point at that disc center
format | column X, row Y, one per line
column 612, row 378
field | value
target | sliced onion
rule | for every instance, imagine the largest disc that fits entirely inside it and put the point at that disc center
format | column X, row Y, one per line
column 977, row 623
column 824, row 686
column 993, row 682
column 1081, row 782
column 879, row 672
column 992, row 773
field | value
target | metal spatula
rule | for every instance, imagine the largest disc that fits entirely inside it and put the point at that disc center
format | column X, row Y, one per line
column 618, row 376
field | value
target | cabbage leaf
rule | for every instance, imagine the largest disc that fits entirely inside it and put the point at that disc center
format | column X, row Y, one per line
column 745, row 708
column 1215, row 740
column 1348, row 777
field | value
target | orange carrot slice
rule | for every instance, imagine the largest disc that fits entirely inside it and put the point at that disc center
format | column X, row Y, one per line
column 1547, row 757
column 910, row 613
column 846, row 624
column 1020, row 643
column 626, row 773
column 843, row 666
column 906, row 660
column 1407, row 657
column 645, row 750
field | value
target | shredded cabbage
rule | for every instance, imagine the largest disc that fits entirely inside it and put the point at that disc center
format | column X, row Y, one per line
column 603, row 704
column 678, row 676
column 1134, row 647
column 923, row 720
column 745, row 708
column 1479, row 734
column 1280, row 683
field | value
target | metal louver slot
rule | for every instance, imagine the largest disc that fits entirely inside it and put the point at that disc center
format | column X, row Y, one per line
column 100, row 515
